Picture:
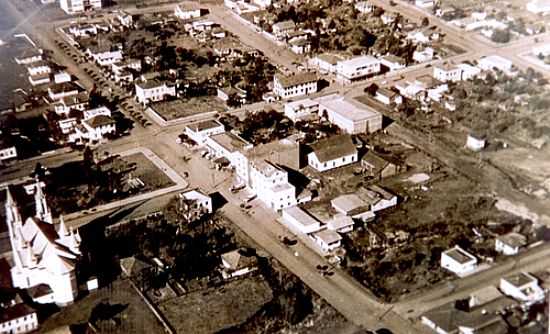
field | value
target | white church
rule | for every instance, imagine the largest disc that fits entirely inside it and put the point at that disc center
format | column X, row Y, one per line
column 43, row 253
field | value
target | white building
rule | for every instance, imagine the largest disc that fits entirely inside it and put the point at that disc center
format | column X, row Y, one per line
column 94, row 129
column 187, row 11
column 364, row 7
column 61, row 77
column 475, row 142
column 62, row 90
column 357, row 68
column 8, row 150
column 230, row 146
column 468, row 71
column 154, row 91
column 83, row 30
column 393, row 63
column 523, row 287
column 235, row 263
column 350, row 205
column 458, row 261
column 79, row 6
column 78, row 102
column 105, row 56
column 325, row 63
column 199, row 131
column 333, row 152
column 490, row 63
column 270, row 183
column 510, row 244
column 283, row 28
column 301, row 110
column 340, row 223
column 327, row 240
column 197, row 200
column 39, row 67
column 377, row 198
column 350, row 116
column 300, row 221
column 42, row 252
column 18, row 319
column 538, row 6
column 423, row 55
column 424, row 3
column 296, row 85
column 388, row 97
column 447, row 72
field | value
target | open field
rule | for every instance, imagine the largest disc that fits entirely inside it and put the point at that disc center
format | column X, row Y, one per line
column 176, row 109
column 130, row 313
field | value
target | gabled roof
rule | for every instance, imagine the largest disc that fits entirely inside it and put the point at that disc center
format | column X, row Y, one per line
column 236, row 260
column 100, row 120
column 297, row 79
column 333, row 148
column 15, row 312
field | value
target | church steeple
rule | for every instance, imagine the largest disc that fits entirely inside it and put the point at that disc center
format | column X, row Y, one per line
column 62, row 230
column 42, row 209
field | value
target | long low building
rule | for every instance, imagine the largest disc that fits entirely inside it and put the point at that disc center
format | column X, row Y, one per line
column 300, row 221
column 352, row 117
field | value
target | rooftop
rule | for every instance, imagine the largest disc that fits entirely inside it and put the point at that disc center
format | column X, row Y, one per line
column 204, row 125
column 329, row 58
column 358, row 61
column 150, row 84
column 230, row 141
column 513, row 239
column 520, row 279
column 328, row 236
column 304, row 218
column 100, row 120
column 288, row 24
column 15, row 312
column 349, row 203
column 459, row 255
column 297, row 79
column 333, row 148
column 237, row 260
column 349, row 109
column 340, row 221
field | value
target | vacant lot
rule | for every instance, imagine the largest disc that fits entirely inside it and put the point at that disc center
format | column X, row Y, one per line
column 215, row 309
column 130, row 314
column 172, row 110
column 146, row 171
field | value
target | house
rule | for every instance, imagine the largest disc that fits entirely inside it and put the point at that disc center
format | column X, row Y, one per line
column 379, row 167
column 468, row 71
column 229, row 92
column 340, row 223
column 194, row 204
column 424, row 3
column 76, row 102
column 43, row 253
column 475, row 141
column 327, row 240
column 300, row 46
column 61, row 76
column 39, row 79
column 349, row 115
column 18, row 319
column 29, row 56
column 422, row 55
column 125, row 19
column 39, row 67
column 105, row 55
column 470, row 317
column 295, row 85
column 388, row 97
column 422, row 36
column 78, row 6
column 458, row 261
column 83, row 30
column 283, row 28
column 350, row 205
column 94, row 129
column 358, row 68
column 153, row 91
column 523, row 287
column 364, row 7
column 538, row 6
column 492, row 62
column 132, row 266
column 392, row 63
column 300, row 221
column 188, row 11
column 270, row 183
column 510, row 244
column 377, row 198
column 447, row 72
column 301, row 110
column 325, row 63
column 333, row 152
column 8, row 151
column 199, row 131
column 237, row 263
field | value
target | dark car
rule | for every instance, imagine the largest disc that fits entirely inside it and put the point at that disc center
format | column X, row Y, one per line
column 383, row 331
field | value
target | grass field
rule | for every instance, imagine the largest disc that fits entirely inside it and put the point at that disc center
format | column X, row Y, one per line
column 172, row 110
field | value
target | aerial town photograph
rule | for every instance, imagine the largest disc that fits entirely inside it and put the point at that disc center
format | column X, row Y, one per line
column 275, row 166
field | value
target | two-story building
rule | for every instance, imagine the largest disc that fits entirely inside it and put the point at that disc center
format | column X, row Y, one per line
column 199, row 131
column 358, row 68
column 154, row 91
column 283, row 28
column 295, row 85
column 301, row 110
column 270, row 183
column 523, row 287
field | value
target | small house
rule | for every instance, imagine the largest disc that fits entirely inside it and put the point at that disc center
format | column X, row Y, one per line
column 334, row 152
column 237, row 263
column 475, row 142
column 458, row 261
column 510, row 244
column 523, row 287
column 327, row 240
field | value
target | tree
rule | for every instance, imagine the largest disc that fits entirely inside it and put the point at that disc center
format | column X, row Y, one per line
column 501, row 36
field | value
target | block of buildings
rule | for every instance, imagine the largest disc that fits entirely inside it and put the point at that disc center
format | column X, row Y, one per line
column 332, row 152
column 349, row 115
column 510, row 244
column 388, row 97
column 350, row 205
column 43, row 253
column 301, row 110
column 325, row 63
column 283, row 28
column 188, row 11
column 18, row 319
column 458, row 261
column 358, row 68
column 300, row 221
column 295, row 85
